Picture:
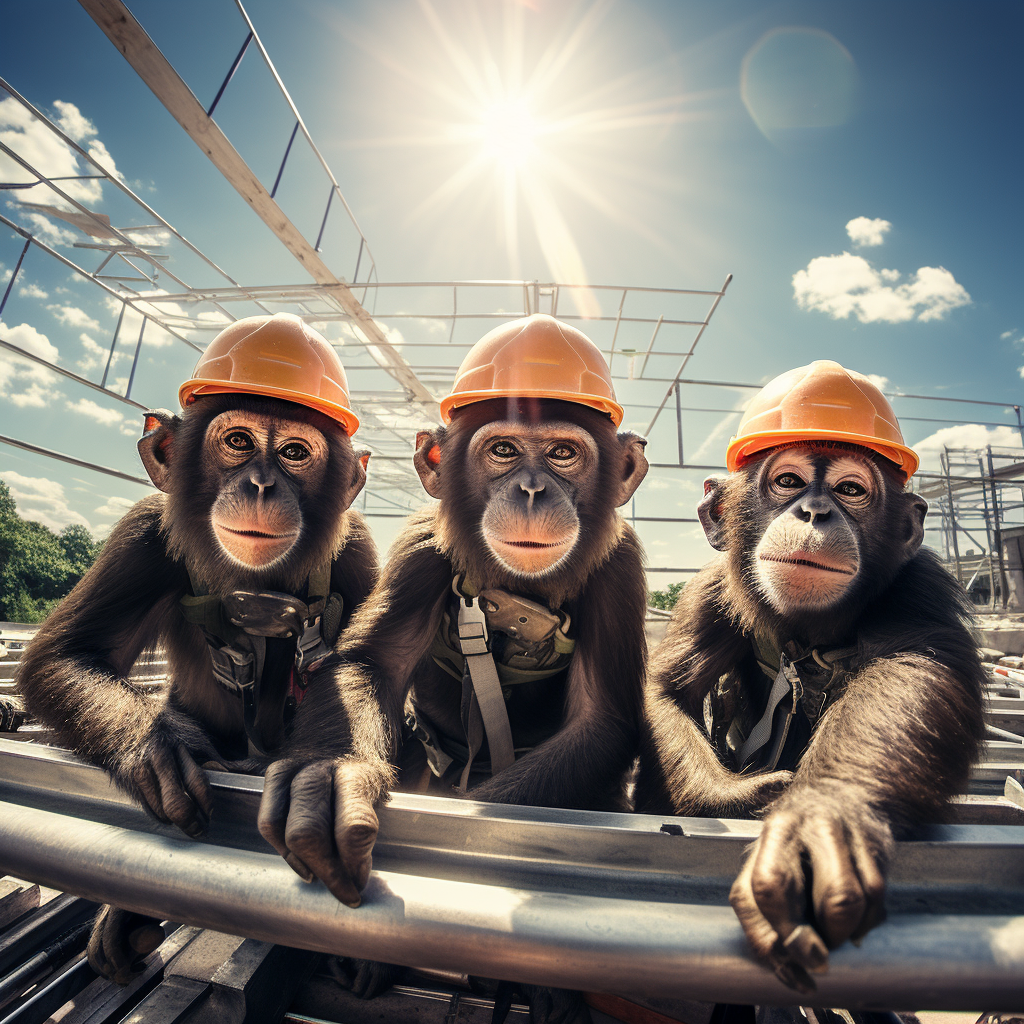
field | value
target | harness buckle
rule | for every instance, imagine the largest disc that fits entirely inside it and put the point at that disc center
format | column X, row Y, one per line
column 311, row 647
column 473, row 634
column 235, row 670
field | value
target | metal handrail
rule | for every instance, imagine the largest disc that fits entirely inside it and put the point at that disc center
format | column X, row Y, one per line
column 601, row 902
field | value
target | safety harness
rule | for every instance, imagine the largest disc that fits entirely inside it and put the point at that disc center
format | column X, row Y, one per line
column 237, row 626
column 804, row 684
column 489, row 641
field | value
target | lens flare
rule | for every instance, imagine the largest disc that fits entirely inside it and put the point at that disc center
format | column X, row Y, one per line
column 509, row 132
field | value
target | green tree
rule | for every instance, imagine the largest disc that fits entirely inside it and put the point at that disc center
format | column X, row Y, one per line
column 666, row 599
column 37, row 566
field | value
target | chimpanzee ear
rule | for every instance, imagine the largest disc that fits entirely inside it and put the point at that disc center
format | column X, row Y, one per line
column 358, row 476
column 634, row 465
column 709, row 511
column 156, row 446
column 915, row 508
column 427, row 459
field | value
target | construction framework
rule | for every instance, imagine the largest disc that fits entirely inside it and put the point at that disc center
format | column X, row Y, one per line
column 403, row 340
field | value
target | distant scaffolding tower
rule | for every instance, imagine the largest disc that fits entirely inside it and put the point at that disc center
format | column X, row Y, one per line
column 980, row 497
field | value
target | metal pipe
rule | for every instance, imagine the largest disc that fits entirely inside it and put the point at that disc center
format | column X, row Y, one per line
column 230, row 75
column 586, row 942
column 14, row 274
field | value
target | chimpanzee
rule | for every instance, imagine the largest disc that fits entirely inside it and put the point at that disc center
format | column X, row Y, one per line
column 507, row 630
column 824, row 641
column 245, row 570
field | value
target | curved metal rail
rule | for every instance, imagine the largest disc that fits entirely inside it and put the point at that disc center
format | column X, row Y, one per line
column 602, row 902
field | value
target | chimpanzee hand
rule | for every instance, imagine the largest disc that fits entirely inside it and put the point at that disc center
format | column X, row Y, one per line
column 814, row 878
column 319, row 816
column 161, row 772
column 119, row 941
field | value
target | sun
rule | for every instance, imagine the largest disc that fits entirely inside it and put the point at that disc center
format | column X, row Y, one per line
column 509, row 132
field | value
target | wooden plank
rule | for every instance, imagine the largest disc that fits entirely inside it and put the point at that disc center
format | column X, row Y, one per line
column 102, row 1000
column 16, row 898
column 131, row 39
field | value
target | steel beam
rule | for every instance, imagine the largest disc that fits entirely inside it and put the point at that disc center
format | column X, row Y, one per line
column 131, row 39
column 601, row 902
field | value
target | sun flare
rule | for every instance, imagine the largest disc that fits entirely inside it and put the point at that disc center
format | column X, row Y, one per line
column 509, row 131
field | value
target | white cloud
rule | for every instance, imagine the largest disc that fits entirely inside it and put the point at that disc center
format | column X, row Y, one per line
column 42, row 500
column 72, row 316
column 865, row 231
column 964, row 435
column 847, row 284
column 21, row 382
column 880, row 382
column 27, row 337
column 87, row 407
column 32, row 291
column 37, row 144
column 115, row 507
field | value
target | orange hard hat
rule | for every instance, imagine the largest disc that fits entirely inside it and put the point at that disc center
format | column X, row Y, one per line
column 821, row 402
column 278, row 356
column 535, row 357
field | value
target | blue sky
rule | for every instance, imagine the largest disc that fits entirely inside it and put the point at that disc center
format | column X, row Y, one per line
column 673, row 143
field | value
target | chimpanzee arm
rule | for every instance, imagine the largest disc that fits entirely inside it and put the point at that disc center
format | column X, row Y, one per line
column 890, row 754
column 75, row 673
column 585, row 762
column 355, row 570
column 680, row 773
column 318, row 808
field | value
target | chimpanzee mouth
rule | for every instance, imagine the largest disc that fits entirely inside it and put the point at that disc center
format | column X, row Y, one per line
column 533, row 543
column 810, row 564
column 255, row 534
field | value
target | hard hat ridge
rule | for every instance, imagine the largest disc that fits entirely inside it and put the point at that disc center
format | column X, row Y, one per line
column 279, row 356
column 821, row 402
column 534, row 357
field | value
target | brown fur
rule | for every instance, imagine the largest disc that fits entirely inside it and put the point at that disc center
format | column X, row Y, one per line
column 74, row 674
column 887, row 755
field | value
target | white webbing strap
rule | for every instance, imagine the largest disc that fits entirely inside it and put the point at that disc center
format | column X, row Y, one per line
column 488, row 699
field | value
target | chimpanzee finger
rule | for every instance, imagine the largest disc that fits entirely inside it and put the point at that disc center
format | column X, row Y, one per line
column 273, row 813
column 177, row 804
column 777, row 874
column 355, row 822
column 145, row 779
column 309, row 833
column 117, row 951
column 761, row 935
column 196, row 786
column 838, row 899
column 870, row 861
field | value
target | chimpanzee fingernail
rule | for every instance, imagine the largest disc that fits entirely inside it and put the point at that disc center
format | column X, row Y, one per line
column 805, row 946
column 299, row 868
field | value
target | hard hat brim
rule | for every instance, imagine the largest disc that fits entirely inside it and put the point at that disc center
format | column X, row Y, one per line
column 602, row 404
column 346, row 417
column 742, row 449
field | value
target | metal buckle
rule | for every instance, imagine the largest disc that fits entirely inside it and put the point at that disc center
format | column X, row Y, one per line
column 311, row 647
column 473, row 635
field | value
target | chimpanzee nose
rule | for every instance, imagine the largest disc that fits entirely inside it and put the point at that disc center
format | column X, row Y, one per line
column 261, row 479
column 813, row 509
column 532, row 488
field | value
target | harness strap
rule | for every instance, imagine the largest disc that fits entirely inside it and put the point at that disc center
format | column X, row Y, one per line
column 485, row 711
column 786, row 681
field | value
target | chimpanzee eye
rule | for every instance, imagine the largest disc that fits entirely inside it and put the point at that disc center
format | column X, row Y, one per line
column 849, row 489
column 789, row 480
column 294, row 452
column 239, row 441
column 563, row 452
column 504, row 450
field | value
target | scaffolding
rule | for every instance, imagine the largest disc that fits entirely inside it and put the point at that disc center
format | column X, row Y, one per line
column 403, row 340
column 979, row 497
